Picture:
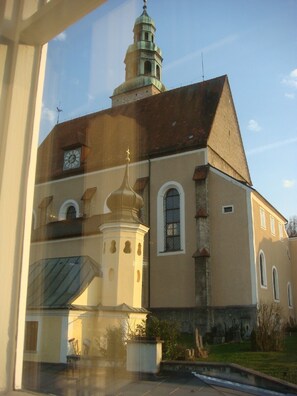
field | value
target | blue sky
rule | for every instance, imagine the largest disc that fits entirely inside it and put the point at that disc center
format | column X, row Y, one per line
column 254, row 42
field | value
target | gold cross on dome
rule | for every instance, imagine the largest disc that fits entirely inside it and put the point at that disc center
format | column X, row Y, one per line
column 128, row 155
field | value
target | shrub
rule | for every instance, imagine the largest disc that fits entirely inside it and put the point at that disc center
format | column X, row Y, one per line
column 116, row 348
column 165, row 330
column 269, row 332
column 168, row 332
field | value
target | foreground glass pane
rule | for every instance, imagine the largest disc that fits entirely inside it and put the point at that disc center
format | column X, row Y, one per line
column 134, row 255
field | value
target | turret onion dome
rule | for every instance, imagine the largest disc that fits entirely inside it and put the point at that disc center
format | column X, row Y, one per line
column 125, row 202
column 144, row 18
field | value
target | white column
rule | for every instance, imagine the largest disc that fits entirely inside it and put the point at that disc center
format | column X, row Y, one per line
column 26, row 25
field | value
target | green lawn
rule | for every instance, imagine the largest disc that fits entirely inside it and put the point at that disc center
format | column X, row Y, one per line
column 277, row 364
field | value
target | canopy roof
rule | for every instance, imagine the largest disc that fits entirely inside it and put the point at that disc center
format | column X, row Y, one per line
column 56, row 282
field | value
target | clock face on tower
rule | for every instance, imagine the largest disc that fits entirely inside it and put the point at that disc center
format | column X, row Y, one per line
column 72, row 159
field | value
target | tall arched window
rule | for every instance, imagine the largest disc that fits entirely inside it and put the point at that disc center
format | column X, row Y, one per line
column 147, row 68
column 171, row 219
column 262, row 269
column 290, row 296
column 275, row 284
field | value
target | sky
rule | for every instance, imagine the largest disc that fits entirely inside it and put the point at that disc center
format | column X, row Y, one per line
column 254, row 42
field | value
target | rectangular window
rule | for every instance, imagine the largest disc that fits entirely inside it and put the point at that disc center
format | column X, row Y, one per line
column 280, row 230
column 228, row 209
column 272, row 225
column 262, row 218
column 31, row 332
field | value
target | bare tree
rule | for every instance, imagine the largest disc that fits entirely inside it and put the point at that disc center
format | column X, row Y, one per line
column 292, row 226
column 269, row 332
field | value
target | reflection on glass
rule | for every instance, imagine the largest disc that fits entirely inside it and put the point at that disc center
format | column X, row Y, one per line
column 97, row 283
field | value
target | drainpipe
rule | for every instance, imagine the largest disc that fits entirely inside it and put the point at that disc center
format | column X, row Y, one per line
column 149, row 237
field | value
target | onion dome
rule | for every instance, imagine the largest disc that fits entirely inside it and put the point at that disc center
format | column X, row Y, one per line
column 144, row 17
column 124, row 202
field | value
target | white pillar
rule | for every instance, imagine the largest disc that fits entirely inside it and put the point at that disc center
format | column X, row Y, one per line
column 25, row 26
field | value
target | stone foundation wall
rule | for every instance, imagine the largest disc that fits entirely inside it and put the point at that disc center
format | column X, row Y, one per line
column 224, row 319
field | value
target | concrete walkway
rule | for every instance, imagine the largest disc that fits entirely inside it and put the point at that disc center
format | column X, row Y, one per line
column 56, row 380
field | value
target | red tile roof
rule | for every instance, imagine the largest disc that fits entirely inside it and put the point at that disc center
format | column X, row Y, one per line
column 170, row 122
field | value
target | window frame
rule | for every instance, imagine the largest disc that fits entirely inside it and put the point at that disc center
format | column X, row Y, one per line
column 262, row 270
column 280, row 230
column 31, row 320
column 65, row 206
column 26, row 57
column 225, row 207
column 272, row 225
column 262, row 218
column 275, row 285
column 172, row 219
column 161, row 242
column 290, row 295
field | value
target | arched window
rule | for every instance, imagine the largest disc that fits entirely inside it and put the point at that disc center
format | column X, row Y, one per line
column 290, row 296
column 171, row 219
column 275, row 284
column 69, row 210
column 262, row 268
column 146, row 36
column 158, row 72
column 71, row 213
column 147, row 68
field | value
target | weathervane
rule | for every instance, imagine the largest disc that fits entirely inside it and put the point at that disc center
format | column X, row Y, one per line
column 59, row 111
column 202, row 64
column 144, row 5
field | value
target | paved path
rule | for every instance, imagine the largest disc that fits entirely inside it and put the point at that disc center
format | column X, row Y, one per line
column 179, row 386
column 53, row 380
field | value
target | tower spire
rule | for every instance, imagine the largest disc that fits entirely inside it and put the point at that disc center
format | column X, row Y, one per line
column 143, row 64
column 144, row 5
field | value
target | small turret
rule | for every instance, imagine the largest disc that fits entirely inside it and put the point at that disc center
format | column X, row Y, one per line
column 124, row 202
column 123, row 240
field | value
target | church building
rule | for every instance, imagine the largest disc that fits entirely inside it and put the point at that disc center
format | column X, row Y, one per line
column 172, row 227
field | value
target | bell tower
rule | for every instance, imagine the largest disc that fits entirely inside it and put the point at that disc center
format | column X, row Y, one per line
column 143, row 64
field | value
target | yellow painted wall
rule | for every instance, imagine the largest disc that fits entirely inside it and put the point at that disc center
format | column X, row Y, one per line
column 50, row 337
column 229, row 244
column 91, row 246
column 92, row 295
column 174, row 270
column 276, row 251
column 74, row 187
